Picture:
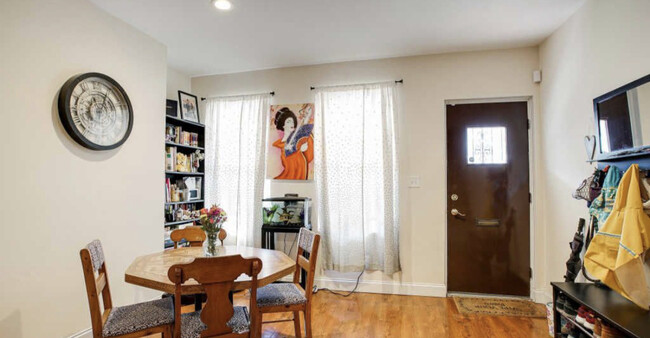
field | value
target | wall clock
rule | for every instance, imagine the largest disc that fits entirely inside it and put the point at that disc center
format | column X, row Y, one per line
column 95, row 111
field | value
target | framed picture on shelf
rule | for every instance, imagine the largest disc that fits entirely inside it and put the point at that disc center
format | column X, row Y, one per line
column 189, row 106
column 171, row 108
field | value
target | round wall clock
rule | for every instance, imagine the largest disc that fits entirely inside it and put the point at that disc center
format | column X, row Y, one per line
column 95, row 111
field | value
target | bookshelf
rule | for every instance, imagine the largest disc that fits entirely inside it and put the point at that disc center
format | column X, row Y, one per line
column 184, row 182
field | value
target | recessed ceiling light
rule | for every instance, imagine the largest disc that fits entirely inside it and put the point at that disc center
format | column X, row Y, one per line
column 223, row 5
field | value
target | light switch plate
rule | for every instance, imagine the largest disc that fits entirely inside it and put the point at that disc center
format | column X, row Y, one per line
column 414, row 182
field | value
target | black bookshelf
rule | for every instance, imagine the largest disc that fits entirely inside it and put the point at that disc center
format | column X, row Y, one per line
column 183, row 123
column 184, row 202
column 172, row 144
column 170, row 222
column 183, row 173
column 191, row 220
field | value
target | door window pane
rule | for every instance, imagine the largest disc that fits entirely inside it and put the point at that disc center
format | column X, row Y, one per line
column 486, row 145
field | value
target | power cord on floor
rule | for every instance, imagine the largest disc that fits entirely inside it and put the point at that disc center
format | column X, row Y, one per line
column 316, row 289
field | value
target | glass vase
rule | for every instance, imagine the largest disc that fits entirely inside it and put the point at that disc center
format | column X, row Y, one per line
column 210, row 245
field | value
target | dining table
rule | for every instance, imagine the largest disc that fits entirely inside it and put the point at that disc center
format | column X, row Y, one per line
column 150, row 270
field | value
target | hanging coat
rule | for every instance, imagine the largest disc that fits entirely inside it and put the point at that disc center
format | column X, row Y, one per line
column 603, row 204
column 616, row 254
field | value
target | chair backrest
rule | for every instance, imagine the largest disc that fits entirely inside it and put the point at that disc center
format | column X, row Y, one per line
column 193, row 234
column 216, row 275
column 92, row 262
column 308, row 242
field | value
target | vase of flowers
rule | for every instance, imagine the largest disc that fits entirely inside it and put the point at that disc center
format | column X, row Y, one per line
column 211, row 221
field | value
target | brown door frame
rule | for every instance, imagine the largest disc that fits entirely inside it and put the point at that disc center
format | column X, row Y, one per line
column 531, row 182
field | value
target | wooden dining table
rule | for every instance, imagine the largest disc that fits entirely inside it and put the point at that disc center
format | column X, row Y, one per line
column 150, row 271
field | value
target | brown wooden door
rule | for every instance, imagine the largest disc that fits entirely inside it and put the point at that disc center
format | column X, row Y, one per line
column 488, row 238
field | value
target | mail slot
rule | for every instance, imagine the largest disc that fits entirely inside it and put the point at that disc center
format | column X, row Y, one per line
column 487, row 222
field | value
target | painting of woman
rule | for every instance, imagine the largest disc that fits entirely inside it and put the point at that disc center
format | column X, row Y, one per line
column 294, row 142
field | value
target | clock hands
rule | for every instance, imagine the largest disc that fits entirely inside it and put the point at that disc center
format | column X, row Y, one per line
column 105, row 95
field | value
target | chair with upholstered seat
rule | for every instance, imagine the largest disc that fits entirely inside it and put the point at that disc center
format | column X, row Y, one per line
column 218, row 318
column 291, row 297
column 137, row 320
column 195, row 236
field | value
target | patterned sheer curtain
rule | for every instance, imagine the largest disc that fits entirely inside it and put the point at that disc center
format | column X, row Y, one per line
column 356, row 171
column 234, row 160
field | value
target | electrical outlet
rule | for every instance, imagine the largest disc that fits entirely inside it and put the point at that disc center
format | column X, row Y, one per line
column 414, row 182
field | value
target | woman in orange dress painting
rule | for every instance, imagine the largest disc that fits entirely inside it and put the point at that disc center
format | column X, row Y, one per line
column 296, row 145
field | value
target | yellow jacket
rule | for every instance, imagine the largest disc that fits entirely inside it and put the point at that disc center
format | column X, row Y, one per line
column 616, row 254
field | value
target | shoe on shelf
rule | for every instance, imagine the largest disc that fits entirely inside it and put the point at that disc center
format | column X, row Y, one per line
column 610, row 332
column 590, row 320
column 581, row 316
column 598, row 328
column 559, row 303
column 570, row 309
column 575, row 333
column 566, row 327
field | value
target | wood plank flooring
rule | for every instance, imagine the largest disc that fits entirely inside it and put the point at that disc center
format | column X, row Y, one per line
column 378, row 315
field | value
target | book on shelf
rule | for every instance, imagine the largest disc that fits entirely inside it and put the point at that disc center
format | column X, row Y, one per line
column 175, row 134
column 179, row 161
column 168, row 192
column 170, row 156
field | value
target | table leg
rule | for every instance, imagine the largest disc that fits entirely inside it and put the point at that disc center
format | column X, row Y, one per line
column 272, row 239
column 263, row 239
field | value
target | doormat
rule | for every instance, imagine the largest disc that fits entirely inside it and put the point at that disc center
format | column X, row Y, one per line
column 499, row 307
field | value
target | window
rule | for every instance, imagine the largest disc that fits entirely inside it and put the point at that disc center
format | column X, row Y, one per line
column 356, row 173
column 486, row 145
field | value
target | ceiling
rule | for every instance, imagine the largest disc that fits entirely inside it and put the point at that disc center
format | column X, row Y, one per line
column 262, row 34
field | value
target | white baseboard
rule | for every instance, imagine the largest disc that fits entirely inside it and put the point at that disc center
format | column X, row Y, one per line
column 87, row 333
column 541, row 296
column 395, row 288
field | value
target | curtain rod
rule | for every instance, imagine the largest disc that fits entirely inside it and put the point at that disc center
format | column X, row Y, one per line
column 219, row 97
column 396, row 81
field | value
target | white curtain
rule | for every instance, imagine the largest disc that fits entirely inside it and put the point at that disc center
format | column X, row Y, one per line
column 234, row 162
column 356, row 171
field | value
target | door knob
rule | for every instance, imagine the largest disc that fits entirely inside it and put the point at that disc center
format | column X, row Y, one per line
column 455, row 212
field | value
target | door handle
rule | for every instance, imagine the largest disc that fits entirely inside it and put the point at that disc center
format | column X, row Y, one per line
column 455, row 212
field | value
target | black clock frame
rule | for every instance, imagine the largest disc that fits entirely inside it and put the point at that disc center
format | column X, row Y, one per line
column 66, row 118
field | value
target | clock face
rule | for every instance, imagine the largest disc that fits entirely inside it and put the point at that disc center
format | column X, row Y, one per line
column 96, row 111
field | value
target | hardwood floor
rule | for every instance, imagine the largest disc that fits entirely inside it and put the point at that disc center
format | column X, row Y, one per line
column 377, row 315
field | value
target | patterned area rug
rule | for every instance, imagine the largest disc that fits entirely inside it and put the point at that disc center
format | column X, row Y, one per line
column 499, row 307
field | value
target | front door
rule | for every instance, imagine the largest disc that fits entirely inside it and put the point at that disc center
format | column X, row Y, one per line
column 488, row 214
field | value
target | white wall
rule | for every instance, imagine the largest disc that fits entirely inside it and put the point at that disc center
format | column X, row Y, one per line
column 176, row 81
column 428, row 82
column 56, row 195
column 602, row 47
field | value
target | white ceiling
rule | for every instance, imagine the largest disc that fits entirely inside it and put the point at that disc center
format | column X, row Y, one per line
column 261, row 34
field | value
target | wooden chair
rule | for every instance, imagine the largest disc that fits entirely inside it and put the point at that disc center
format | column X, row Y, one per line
column 291, row 297
column 193, row 234
column 218, row 318
column 135, row 320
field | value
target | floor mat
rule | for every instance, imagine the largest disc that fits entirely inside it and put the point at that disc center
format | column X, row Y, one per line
column 499, row 307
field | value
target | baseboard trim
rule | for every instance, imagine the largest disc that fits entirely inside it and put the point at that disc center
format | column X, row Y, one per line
column 395, row 288
column 541, row 296
column 87, row 333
